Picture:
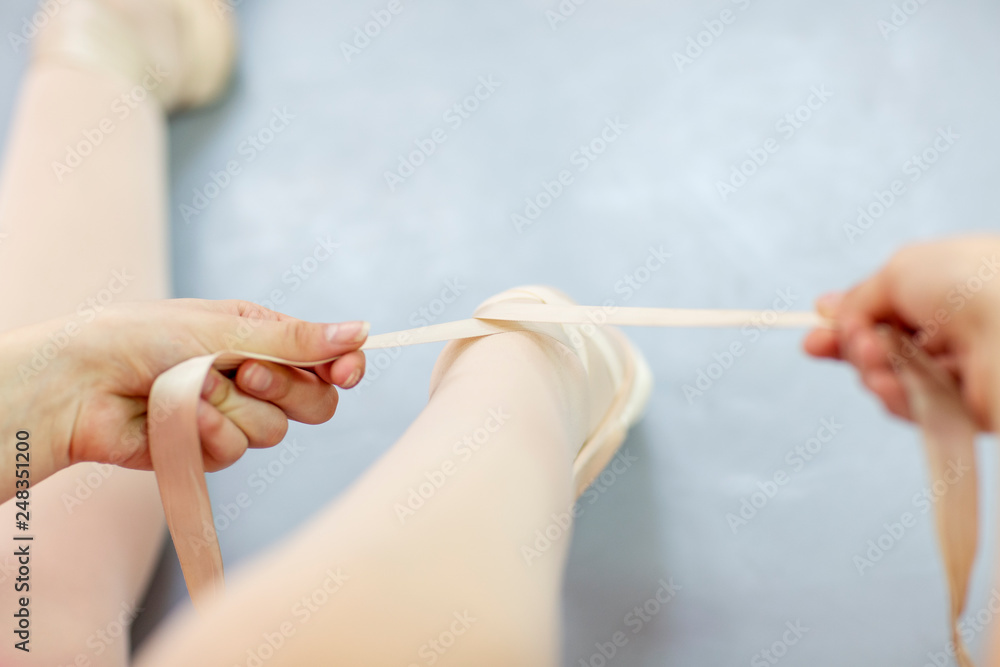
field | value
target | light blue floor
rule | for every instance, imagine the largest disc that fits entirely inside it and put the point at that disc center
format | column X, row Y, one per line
column 681, row 131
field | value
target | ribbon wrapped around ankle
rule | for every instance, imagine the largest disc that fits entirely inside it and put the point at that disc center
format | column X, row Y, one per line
column 935, row 403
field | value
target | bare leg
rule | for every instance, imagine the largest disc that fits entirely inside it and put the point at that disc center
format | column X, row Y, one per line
column 368, row 582
column 74, row 236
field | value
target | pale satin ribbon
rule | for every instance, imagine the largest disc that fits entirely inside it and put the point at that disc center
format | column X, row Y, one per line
column 949, row 441
column 175, row 447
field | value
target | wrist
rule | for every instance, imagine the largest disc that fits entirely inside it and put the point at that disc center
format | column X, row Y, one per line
column 37, row 401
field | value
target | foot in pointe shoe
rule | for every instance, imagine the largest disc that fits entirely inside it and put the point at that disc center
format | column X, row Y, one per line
column 618, row 380
column 183, row 50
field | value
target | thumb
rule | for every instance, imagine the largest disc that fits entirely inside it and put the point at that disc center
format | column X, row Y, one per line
column 289, row 338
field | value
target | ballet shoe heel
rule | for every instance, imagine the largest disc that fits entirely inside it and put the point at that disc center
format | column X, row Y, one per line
column 209, row 33
column 93, row 35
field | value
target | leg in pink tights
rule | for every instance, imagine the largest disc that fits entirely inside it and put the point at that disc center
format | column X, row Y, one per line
column 367, row 583
column 75, row 235
column 100, row 232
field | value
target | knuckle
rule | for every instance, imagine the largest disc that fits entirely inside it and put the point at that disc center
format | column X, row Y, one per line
column 250, row 309
column 301, row 335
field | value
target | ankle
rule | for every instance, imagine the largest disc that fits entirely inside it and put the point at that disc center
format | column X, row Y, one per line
column 523, row 363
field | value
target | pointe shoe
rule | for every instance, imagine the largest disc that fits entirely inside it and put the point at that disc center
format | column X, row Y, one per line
column 620, row 381
column 182, row 50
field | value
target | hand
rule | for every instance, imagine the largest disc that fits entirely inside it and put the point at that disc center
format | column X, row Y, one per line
column 947, row 295
column 81, row 388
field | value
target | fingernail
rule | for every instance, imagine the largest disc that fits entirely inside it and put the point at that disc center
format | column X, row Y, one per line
column 347, row 332
column 257, row 378
column 826, row 305
column 353, row 380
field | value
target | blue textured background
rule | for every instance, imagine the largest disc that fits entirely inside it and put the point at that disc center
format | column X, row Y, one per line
column 656, row 185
